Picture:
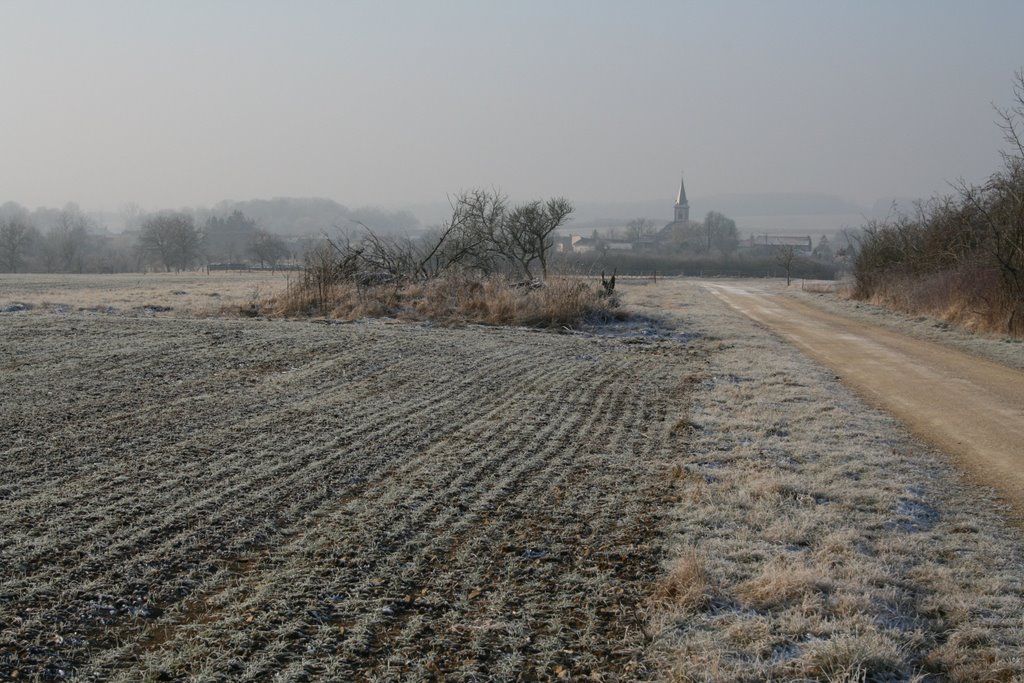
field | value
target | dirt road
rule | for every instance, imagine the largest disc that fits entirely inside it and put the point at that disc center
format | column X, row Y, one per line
column 968, row 407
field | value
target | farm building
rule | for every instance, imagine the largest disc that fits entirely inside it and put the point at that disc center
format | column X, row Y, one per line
column 767, row 242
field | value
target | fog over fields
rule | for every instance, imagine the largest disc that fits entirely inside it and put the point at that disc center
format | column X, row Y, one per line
column 401, row 104
column 385, row 341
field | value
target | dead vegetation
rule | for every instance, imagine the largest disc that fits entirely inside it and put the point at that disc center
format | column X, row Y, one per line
column 559, row 302
column 958, row 258
column 685, row 587
column 487, row 264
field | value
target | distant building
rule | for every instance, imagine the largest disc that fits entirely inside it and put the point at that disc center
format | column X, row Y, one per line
column 564, row 243
column 649, row 243
column 768, row 242
column 671, row 234
column 577, row 244
column 574, row 244
column 674, row 232
column 681, row 214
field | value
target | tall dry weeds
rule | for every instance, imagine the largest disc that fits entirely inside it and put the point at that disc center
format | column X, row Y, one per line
column 560, row 302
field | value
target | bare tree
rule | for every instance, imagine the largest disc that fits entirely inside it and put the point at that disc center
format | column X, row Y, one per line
column 69, row 238
column 171, row 239
column 720, row 233
column 1012, row 120
column 526, row 234
column 1003, row 212
column 471, row 238
column 16, row 238
column 268, row 248
column 482, row 237
column 638, row 228
column 486, row 236
column 787, row 256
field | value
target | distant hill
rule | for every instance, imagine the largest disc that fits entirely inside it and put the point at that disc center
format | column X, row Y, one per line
column 313, row 216
column 780, row 204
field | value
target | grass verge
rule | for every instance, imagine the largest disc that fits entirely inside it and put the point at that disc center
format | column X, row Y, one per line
column 815, row 539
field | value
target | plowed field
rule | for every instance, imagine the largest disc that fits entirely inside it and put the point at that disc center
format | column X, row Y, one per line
column 226, row 500
column 219, row 499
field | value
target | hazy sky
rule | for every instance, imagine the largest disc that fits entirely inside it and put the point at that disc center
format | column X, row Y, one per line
column 184, row 103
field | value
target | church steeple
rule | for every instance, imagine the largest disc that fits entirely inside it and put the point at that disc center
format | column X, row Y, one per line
column 682, row 206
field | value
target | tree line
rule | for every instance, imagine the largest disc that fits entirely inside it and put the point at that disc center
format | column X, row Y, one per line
column 68, row 241
column 961, row 253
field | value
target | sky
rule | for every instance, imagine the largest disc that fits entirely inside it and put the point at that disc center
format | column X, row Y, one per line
column 186, row 103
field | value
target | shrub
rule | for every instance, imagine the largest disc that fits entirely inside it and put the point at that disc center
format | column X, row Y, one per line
column 961, row 257
column 560, row 302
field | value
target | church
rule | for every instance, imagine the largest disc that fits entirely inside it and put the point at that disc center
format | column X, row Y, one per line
column 681, row 218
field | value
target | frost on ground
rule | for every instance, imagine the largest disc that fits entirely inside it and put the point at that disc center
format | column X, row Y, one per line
column 195, row 294
column 188, row 499
column 231, row 500
column 815, row 540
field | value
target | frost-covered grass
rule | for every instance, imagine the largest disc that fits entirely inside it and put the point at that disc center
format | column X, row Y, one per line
column 164, row 294
column 816, row 540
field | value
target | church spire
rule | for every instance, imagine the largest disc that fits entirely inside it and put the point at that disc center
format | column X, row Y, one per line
column 682, row 208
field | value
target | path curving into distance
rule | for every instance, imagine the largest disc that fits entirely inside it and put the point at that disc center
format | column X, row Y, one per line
column 968, row 407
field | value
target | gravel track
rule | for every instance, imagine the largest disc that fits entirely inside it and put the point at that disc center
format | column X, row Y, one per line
column 236, row 500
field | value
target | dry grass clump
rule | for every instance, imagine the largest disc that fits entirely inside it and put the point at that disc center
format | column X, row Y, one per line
column 840, row 287
column 559, row 302
column 686, row 587
column 781, row 584
column 968, row 656
column 851, row 657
